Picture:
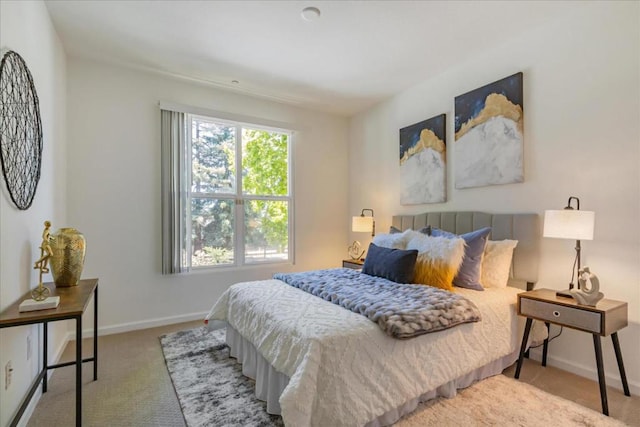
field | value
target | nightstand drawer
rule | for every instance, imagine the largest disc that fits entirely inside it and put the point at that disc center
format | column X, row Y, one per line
column 567, row 316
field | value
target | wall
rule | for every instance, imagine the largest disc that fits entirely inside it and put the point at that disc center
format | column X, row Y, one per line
column 114, row 191
column 582, row 138
column 25, row 27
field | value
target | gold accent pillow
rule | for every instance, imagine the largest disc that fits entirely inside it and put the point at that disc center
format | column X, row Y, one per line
column 439, row 259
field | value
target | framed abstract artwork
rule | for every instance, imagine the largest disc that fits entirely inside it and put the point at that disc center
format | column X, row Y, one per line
column 423, row 162
column 488, row 147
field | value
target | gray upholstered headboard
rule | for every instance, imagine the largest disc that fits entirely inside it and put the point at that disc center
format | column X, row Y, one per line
column 524, row 228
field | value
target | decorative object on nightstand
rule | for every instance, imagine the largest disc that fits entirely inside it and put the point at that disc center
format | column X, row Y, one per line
column 364, row 224
column 588, row 287
column 607, row 318
column 573, row 224
column 355, row 250
column 67, row 259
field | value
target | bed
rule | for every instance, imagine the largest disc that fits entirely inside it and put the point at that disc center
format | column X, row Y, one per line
column 317, row 364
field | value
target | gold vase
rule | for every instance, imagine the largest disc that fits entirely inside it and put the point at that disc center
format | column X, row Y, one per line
column 67, row 258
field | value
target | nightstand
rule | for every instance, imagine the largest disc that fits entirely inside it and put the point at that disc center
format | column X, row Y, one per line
column 607, row 317
column 356, row 264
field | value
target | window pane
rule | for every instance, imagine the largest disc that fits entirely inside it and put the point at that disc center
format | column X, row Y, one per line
column 267, row 230
column 265, row 163
column 213, row 157
column 212, row 231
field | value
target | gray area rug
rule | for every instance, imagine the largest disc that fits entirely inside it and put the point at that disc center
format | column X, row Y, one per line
column 210, row 386
column 213, row 392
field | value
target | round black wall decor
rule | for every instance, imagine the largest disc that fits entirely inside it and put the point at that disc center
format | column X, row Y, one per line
column 20, row 130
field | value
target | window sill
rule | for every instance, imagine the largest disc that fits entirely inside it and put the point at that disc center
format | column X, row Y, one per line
column 245, row 267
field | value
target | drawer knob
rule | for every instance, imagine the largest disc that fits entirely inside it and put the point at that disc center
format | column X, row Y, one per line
column 556, row 313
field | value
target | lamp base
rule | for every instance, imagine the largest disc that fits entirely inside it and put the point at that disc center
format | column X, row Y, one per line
column 564, row 294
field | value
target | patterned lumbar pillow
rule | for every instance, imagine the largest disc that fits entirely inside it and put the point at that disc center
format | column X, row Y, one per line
column 496, row 264
column 470, row 271
column 394, row 264
column 439, row 259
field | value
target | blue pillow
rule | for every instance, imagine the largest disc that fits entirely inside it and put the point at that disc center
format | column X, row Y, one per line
column 469, row 274
column 394, row 264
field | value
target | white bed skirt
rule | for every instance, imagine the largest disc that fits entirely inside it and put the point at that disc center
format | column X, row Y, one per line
column 270, row 383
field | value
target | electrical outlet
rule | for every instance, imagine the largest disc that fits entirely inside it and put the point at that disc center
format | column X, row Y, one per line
column 29, row 347
column 8, row 369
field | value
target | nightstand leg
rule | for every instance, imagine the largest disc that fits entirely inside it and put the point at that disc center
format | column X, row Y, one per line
column 545, row 347
column 603, row 385
column 623, row 375
column 525, row 337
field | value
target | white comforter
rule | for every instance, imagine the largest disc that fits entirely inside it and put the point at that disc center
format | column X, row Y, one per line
column 343, row 369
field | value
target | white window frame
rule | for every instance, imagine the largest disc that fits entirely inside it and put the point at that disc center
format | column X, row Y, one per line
column 239, row 198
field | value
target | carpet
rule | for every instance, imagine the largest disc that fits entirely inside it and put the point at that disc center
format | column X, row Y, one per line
column 213, row 392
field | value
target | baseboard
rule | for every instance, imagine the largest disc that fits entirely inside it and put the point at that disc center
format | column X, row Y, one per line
column 586, row 371
column 143, row 324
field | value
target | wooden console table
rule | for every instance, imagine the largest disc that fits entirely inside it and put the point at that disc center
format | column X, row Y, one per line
column 73, row 303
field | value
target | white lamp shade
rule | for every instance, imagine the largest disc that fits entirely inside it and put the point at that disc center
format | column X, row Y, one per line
column 569, row 224
column 362, row 224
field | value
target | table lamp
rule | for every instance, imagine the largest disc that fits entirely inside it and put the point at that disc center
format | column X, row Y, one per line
column 364, row 224
column 361, row 224
column 570, row 223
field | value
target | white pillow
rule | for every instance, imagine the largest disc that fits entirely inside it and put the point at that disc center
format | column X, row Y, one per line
column 394, row 240
column 496, row 263
column 439, row 259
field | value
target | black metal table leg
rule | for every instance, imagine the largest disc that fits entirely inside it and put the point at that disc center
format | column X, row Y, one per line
column 623, row 375
column 601, row 380
column 79, row 371
column 525, row 337
column 95, row 333
column 545, row 346
column 45, row 360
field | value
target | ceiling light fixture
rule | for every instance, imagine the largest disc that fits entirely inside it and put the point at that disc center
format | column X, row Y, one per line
column 235, row 82
column 310, row 13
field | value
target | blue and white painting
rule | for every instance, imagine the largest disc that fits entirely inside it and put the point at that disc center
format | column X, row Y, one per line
column 488, row 147
column 422, row 162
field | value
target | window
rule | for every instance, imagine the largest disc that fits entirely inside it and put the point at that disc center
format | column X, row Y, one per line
column 235, row 201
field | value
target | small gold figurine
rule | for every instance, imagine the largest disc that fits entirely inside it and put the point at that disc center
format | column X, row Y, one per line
column 41, row 292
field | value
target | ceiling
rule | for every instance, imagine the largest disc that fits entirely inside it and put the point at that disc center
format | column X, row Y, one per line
column 355, row 55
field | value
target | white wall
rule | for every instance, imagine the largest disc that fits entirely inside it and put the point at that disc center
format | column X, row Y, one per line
column 582, row 138
column 114, row 191
column 25, row 27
